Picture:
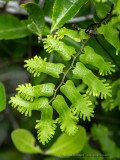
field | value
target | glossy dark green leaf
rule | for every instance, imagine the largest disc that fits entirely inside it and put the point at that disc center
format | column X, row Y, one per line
column 12, row 28
column 68, row 145
column 37, row 16
column 2, row 97
column 24, row 141
column 64, row 10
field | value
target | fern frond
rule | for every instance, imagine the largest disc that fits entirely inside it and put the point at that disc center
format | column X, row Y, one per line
column 96, row 86
column 52, row 44
column 108, row 104
column 29, row 92
column 26, row 107
column 114, row 101
column 75, row 35
column 91, row 58
column 68, row 122
column 46, row 125
column 81, row 105
column 37, row 65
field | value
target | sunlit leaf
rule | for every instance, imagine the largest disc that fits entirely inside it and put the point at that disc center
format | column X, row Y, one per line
column 68, row 145
column 24, row 141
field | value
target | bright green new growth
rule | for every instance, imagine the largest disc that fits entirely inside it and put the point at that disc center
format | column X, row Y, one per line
column 66, row 117
column 96, row 86
column 29, row 92
column 81, row 105
column 53, row 44
column 27, row 107
column 37, row 65
column 75, row 35
column 114, row 101
column 91, row 58
column 46, row 125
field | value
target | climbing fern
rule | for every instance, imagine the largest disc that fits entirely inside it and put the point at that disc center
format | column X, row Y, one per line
column 66, row 99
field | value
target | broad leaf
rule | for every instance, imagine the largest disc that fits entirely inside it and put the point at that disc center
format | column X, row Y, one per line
column 37, row 17
column 24, row 141
column 64, row 10
column 67, row 145
column 12, row 28
column 2, row 97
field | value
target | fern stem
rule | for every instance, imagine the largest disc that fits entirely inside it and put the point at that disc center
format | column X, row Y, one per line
column 67, row 71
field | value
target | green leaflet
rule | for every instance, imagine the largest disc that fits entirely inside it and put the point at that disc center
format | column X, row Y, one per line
column 111, row 32
column 101, row 134
column 46, row 125
column 108, row 104
column 64, row 11
column 91, row 58
column 26, row 107
column 51, row 43
column 81, row 105
column 114, row 101
column 66, row 117
column 96, row 86
column 29, row 92
column 75, row 35
column 25, row 141
column 37, row 65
